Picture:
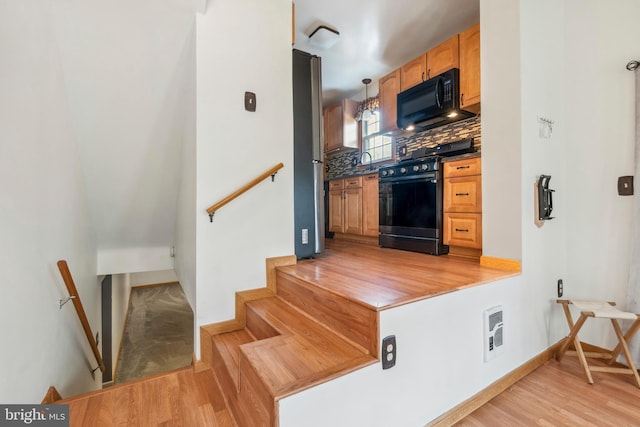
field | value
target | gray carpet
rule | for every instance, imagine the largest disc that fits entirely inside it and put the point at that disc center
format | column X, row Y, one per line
column 158, row 335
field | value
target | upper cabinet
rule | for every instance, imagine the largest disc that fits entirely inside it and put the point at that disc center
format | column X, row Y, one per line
column 443, row 57
column 470, row 69
column 388, row 89
column 340, row 126
column 413, row 72
column 436, row 61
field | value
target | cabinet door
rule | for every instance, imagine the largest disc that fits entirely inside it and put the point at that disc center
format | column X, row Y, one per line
column 336, row 211
column 333, row 127
column 443, row 57
column 353, row 211
column 371, row 205
column 464, row 167
column 413, row 72
column 388, row 89
column 463, row 194
column 470, row 69
column 463, row 230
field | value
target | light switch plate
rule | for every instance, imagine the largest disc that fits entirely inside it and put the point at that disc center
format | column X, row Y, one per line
column 250, row 101
column 625, row 186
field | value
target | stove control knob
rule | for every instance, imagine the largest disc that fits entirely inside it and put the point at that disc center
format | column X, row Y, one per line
column 425, row 167
column 384, row 173
column 403, row 170
column 392, row 172
column 416, row 168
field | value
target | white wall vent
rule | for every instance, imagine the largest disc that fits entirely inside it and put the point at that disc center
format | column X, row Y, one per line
column 493, row 332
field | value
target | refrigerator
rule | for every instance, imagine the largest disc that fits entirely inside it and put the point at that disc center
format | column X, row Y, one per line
column 308, row 155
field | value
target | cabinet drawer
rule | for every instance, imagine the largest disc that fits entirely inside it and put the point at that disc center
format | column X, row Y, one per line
column 336, row 184
column 464, row 167
column 355, row 182
column 463, row 194
column 463, row 230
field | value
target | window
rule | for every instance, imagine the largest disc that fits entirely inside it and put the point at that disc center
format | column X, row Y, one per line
column 379, row 146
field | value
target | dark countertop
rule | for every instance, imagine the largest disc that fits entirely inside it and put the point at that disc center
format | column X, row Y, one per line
column 351, row 175
column 461, row 156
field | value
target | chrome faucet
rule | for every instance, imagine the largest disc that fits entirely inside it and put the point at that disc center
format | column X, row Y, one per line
column 370, row 159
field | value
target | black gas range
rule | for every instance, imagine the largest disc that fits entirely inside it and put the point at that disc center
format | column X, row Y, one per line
column 410, row 194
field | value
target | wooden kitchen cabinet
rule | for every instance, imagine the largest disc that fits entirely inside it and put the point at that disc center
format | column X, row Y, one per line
column 388, row 89
column 353, row 205
column 436, row 61
column 370, row 205
column 462, row 205
column 443, row 57
column 413, row 72
column 340, row 126
column 470, row 69
column 336, row 207
column 345, row 205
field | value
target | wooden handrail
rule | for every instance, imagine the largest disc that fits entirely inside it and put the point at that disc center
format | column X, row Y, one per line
column 271, row 172
column 73, row 292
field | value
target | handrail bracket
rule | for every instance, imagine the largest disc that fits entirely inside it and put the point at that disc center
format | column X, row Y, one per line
column 273, row 176
column 211, row 216
column 64, row 301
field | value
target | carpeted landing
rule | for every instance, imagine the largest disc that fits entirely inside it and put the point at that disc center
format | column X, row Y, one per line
column 158, row 335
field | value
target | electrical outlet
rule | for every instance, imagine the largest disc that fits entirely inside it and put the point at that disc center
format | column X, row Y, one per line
column 389, row 351
column 560, row 288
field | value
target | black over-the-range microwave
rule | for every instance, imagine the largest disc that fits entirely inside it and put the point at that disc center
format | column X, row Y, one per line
column 432, row 103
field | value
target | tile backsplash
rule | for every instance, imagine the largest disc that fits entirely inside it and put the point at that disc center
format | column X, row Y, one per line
column 464, row 129
column 342, row 164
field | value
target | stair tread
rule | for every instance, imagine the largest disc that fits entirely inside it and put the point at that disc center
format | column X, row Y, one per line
column 306, row 353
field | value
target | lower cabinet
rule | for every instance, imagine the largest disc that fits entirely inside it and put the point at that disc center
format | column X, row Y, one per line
column 463, row 206
column 351, row 205
column 463, row 229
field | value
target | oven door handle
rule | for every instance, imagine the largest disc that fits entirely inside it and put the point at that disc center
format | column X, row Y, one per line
column 431, row 177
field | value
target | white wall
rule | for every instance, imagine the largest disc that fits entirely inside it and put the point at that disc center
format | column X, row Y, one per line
column 501, row 128
column 242, row 45
column 125, row 77
column 185, row 241
column 600, row 148
column 44, row 217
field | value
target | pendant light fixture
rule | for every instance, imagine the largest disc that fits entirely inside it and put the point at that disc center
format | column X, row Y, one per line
column 367, row 113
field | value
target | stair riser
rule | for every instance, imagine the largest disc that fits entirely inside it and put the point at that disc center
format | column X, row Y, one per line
column 353, row 321
column 256, row 404
column 227, row 384
column 258, row 326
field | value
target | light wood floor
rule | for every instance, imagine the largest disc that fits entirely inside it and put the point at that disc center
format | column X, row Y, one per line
column 382, row 278
column 557, row 394
column 179, row 398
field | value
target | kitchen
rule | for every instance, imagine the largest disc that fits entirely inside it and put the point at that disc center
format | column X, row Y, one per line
column 530, row 72
column 363, row 140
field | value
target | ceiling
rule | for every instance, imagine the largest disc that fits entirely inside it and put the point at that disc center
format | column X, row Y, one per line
column 376, row 37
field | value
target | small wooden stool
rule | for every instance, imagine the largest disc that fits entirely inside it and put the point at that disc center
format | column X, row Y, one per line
column 606, row 310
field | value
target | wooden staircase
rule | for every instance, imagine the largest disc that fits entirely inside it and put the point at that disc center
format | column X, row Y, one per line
column 286, row 337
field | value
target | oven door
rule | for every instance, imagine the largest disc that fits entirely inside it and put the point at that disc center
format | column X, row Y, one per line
column 411, row 213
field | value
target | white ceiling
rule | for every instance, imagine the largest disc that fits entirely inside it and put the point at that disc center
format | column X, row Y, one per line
column 376, row 36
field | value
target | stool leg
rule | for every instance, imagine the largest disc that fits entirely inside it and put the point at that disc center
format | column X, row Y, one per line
column 573, row 337
column 630, row 333
column 625, row 349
